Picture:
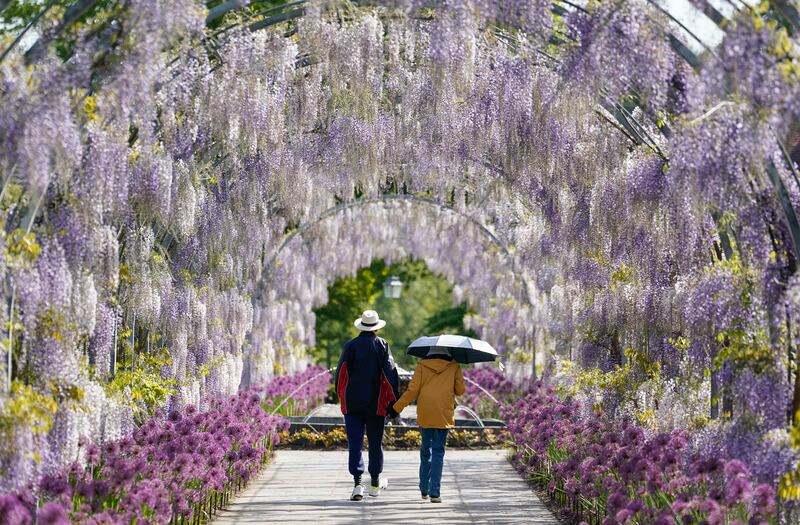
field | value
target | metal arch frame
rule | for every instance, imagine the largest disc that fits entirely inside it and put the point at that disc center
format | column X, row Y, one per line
column 398, row 197
column 629, row 126
column 626, row 124
column 388, row 197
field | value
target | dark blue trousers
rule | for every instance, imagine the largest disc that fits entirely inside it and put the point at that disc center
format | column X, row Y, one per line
column 354, row 425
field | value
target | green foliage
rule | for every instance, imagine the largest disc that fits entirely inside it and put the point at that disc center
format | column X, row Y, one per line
column 349, row 102
column 623, row 380
column 286, row 409
column 425, row 307
column 789, row 486
column 680, row 343
column 742, row 276
column 21, row 248
column 19, row 13
column 557, row 454
column 741, row 344
column 27, row 407
column 773, row 15
column 13, row 195
column 66, row 393
column 485, row 408
column 143, row 386
column 622, row 275
column 424, row 298
column 449, row 320
column 348, row 298
column 745, row 349
column 52, row 325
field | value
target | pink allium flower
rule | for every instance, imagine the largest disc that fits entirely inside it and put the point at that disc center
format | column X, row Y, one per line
column 734, row 468
column 52, row 513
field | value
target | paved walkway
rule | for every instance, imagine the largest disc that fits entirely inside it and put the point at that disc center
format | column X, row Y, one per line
column 478, row 486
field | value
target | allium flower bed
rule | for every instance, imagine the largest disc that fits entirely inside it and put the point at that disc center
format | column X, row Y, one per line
column 495, row 382
column 605, row 472
column 183, row 466
column 306, row 390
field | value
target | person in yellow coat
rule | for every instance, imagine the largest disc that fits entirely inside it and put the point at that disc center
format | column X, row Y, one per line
column 436, row 381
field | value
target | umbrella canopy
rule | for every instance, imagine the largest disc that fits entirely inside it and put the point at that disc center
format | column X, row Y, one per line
column 463, row 349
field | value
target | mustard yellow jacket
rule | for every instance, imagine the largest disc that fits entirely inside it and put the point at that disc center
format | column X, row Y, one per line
column 435, row 385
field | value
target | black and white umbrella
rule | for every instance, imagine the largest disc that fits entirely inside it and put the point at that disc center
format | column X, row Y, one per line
column 463, row 349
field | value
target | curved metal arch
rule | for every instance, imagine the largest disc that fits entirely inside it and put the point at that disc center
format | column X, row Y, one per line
column 389, row 197
column 622, row 120
column 617, row 115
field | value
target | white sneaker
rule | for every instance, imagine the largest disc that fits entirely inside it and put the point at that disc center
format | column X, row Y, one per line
column 382, row 484
column 358, row 493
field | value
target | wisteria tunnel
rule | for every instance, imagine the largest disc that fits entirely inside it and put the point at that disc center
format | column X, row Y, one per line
column 393, row 227
column 610, row 186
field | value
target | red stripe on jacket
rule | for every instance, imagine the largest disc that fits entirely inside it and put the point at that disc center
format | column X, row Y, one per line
column 386, row 395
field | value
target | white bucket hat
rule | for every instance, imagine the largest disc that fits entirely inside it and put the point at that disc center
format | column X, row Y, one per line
column 369, row 321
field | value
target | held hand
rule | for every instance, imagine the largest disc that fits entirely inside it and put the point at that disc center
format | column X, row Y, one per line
column 392, row 413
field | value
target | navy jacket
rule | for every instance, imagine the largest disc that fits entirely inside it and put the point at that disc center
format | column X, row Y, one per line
column 366, row 377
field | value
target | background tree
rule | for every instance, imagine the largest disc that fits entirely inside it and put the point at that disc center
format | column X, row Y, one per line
column 425, row 308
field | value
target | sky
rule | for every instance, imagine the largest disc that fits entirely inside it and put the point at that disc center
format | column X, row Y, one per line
column 699, row 24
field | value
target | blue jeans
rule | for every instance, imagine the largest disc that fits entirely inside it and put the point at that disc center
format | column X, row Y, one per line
column 431, row 460
column 354, row 425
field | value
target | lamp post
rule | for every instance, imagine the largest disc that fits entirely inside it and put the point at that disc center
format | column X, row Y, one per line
column 392, row 287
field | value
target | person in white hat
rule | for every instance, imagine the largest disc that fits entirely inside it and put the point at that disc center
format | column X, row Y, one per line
column 367, row 384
